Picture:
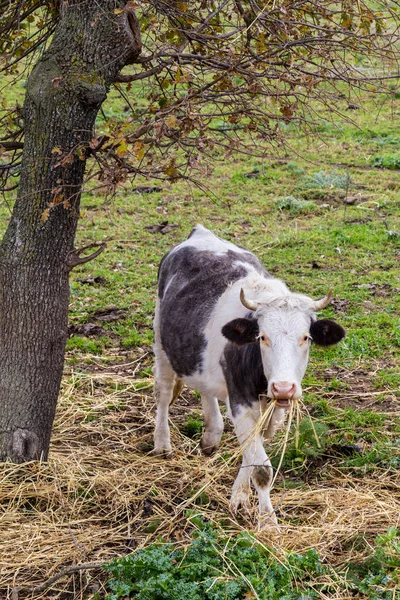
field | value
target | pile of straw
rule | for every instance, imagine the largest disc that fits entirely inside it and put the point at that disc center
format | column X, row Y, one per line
column 101, row 494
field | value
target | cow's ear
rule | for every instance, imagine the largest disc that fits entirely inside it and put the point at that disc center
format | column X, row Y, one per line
column 241, row 331
column 326, row 332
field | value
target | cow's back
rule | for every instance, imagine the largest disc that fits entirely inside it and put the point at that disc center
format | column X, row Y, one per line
column 192, row 277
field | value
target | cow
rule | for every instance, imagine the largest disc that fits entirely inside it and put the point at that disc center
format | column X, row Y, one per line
column 228, row 329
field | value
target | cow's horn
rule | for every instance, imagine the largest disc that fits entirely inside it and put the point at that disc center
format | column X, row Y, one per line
column 320, row 304
column 247, row 303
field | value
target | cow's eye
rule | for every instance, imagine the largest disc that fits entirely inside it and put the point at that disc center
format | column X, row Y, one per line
column 306, row 338
column 262, row 338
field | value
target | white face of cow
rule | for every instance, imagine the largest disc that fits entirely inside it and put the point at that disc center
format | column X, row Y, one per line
column 284, row 327
column 284, row 337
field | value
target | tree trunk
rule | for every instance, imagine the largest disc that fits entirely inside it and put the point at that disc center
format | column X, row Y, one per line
column 92, row 42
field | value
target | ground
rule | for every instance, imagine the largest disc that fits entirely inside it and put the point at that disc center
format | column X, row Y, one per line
column 323, row 212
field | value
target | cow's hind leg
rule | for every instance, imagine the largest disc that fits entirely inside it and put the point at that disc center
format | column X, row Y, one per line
column 167, row 388
column 214, row 425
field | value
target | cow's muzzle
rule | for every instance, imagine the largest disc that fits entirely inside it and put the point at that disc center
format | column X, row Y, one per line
column 283, row 392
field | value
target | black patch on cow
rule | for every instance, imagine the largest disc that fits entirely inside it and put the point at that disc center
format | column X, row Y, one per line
column 244, row 374
column 160, row 267
column 199, row 278
column 241, row 331
column 262, row 475
column 326, row 332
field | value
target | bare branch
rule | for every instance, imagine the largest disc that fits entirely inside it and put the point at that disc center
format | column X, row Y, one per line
column 144, row 75
column 225, row 61
column 11, row 145
column 36, row 589
column 74, row 259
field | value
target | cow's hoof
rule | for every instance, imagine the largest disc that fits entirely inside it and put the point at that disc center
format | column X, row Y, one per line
column 238, row 500
column 207, row 449
column 162, row 452
column 209, row 443
column 269, row 523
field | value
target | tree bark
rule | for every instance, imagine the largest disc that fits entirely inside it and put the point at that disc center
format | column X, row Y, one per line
column 92, row 42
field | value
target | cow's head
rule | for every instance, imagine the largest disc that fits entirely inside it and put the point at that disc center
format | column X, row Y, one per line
column 284, row 326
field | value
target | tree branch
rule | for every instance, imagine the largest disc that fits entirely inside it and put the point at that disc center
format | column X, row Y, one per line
column 11, row 145
column 144, row 75
column 74, row 259
column 36, row 589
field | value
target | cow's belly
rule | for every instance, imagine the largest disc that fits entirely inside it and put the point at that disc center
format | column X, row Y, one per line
column 208, row 382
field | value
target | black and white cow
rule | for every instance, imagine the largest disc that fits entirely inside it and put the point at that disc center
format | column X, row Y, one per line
column 225, row 327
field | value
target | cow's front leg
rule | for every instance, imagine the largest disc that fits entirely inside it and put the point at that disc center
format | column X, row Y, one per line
column 276, row 421
column 241, row 490
column 214, row 425
column 256, row 467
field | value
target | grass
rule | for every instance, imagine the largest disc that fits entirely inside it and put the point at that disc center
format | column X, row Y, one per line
column 101, row 495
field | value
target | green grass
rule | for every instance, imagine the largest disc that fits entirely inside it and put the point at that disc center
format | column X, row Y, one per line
column 292, row 212
column 192, row 428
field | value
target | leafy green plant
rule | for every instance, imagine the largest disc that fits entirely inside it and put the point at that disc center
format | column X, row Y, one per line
column 380, row 139
column 295, row 205
column 379, row 576
column 295, row 168
column 309, row 442
column 322, row 179
column 386, row 161
column 215, row 566
column 192, row 428
column 219, row 566
column 387, row 553
column 381, row 454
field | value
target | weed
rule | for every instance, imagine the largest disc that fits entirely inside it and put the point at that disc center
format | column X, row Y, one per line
column 295, row 206
column 192, row 428
column 381, row 570
column 219, row 566
column 295, row 168
column 386, row 161
column 309, row 442
column 202, row 498
column 152, row 525
column 382, row 455
column 322, row 179
column 215, row 566
column 380, row 139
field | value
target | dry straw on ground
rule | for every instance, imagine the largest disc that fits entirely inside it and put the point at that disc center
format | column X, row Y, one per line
column 101, row 494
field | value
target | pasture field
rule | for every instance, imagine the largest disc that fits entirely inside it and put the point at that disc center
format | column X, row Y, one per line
column 319, row 212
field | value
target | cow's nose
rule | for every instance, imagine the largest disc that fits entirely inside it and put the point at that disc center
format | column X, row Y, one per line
column 283, row 390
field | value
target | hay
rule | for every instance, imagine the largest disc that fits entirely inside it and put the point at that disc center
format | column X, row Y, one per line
column 101, row 494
